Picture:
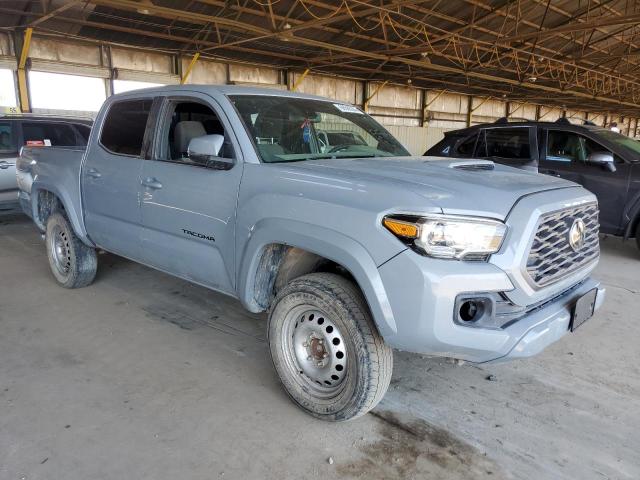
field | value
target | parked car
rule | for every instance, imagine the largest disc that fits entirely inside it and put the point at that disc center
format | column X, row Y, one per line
column 603, row 161
column 17, row 130
column 352, row 253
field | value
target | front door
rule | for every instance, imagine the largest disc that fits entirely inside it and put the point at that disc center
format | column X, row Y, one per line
column 111, row 178
column 566, row 156
column 189, row 205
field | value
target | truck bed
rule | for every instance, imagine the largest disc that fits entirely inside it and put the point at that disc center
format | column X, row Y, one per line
column 56, row 169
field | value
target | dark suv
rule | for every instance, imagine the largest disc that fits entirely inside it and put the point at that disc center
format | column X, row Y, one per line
column 603, row 161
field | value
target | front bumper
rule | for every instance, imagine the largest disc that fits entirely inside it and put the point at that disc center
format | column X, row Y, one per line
column 422, row 293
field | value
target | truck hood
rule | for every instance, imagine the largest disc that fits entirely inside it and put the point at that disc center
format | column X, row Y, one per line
column 471, row 187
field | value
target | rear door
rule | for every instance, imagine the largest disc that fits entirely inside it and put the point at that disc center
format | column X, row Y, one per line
column 189, row 206
column 111, row 177
column 565, row 155
column 8, row 153
column 514, row 146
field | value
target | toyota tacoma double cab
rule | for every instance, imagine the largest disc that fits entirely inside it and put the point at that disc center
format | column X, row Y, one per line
column 353, row 249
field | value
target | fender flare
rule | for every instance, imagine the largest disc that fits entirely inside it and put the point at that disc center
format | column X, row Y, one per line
column 72, row 213
column 326, row 243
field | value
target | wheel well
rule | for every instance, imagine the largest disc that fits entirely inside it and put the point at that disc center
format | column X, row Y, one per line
column 279, row 264
column 47, row 204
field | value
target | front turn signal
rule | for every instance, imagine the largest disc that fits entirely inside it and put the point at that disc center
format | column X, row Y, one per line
column 401, row 229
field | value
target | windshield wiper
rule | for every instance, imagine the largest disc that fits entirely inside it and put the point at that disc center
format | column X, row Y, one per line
column 331, row 157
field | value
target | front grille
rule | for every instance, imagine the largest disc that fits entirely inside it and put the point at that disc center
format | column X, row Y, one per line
column 551, row 256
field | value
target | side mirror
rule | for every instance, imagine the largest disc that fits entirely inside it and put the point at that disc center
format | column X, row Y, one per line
column 205, row 150
column 604, row 159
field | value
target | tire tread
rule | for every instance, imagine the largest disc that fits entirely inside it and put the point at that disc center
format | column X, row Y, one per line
column 373, row 349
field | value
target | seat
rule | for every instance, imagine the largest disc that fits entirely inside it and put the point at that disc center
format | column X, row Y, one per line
column 184, row 132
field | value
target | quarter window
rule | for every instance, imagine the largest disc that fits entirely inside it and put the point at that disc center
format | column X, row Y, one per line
column 505, row 143
column 124, row 127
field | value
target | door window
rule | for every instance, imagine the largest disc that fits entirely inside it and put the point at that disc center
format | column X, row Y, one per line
column 187, row 121
column 7, row 138
column 510, row 143
column 570, row 147
column 48, row 134
column 124, row 127
column 465, row 149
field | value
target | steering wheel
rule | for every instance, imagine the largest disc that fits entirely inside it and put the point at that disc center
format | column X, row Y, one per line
column 339, row 148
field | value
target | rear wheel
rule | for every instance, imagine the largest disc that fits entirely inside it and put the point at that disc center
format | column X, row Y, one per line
column 72, row 263
column 325, row 348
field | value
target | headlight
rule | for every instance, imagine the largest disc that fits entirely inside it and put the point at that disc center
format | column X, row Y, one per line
column 442, row 236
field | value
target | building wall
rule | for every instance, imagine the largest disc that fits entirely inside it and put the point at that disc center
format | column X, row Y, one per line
column 417, row 117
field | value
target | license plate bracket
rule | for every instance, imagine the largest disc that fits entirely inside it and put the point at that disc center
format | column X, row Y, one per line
column 583, row 309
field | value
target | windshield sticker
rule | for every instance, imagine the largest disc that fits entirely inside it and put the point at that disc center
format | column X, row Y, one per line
column 347, row 108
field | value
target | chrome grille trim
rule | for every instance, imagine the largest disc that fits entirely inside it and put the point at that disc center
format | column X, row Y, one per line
column 551, row 258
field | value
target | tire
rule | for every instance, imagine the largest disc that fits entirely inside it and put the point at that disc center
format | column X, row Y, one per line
column 72, row 263
column 638, row 235
column 329, row 356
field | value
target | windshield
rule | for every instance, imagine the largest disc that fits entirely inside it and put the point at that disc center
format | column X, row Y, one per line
column 621, row 140
column 287, row 129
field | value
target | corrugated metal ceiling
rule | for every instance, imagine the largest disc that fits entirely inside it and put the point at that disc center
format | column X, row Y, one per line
column 576, row 53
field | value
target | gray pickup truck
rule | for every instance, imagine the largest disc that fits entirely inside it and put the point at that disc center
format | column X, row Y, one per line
column 353, row 249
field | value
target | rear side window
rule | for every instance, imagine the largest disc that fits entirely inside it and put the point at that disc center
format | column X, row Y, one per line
column 505, row 143
column 48, row 134
column 466, row 147
column 124, row 127
column 7, row 138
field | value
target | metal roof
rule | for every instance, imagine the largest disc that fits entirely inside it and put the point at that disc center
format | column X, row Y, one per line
column 581, row 54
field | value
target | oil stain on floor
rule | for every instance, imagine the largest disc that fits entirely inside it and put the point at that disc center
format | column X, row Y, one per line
column 414, row 449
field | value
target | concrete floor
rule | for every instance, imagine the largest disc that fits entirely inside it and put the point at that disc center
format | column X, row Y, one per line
column 143, row 376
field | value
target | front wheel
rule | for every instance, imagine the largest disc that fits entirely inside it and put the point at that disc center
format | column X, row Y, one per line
column 72, row 263
column 325, row 348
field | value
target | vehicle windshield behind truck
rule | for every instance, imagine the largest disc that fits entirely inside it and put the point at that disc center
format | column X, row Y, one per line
column 287, row 129
column 622, row 140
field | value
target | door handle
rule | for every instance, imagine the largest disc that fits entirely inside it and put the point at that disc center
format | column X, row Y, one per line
column 4, row 165
column 151, row 182
column 92, row 172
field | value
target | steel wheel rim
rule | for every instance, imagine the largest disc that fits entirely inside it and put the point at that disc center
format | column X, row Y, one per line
column 315, row 352
column 60, row 250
